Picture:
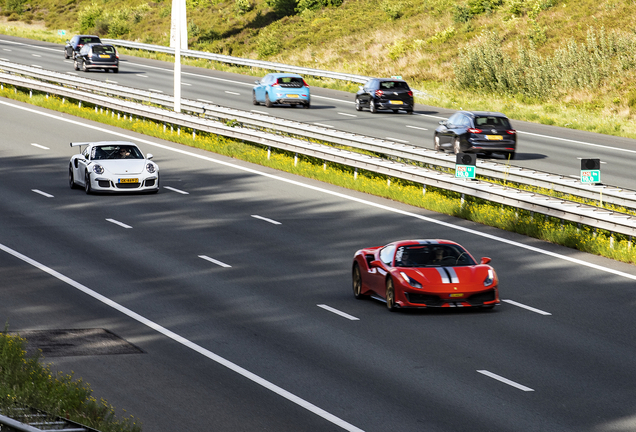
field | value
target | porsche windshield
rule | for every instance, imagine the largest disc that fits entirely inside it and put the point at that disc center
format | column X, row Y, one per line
column 432, row 255
column 122, row 151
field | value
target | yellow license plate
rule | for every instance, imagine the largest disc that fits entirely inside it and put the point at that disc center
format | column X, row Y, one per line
column 494, row 137
column 292, row 96
column 129, row 180
column 396, row 102
column 104, row 56
column 457, row 295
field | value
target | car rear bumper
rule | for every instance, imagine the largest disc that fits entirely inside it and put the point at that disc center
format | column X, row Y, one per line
column 477, row 146
column 394, row 104
column 102, row 65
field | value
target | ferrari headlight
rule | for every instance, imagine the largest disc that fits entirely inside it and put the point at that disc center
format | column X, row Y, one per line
column 411, row 281
column 98, row 169
column 490, row 278
column 150, row 167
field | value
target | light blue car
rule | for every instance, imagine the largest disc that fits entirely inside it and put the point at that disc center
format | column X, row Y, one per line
column 281, row 88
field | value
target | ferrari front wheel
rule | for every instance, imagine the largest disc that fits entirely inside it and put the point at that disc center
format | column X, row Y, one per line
column 357, row 283
column 390, row 295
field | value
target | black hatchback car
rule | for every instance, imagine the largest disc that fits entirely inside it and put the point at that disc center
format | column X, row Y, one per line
column 385, row 93
column 477, row 132
column 97, row 56
column 76, row 43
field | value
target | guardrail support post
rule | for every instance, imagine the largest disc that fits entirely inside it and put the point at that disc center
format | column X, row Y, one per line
column 194, row 135
column 355, row 173
column 324, row 165
column 79, row 104
column 295, row 159
column 269, row 152
column 118, row 115
column 388, row 182
column 30, row 93
column 179, row 131
column 611, row 240
column 63, row 99
column 629, row 243
column 461, row 202
column 423, row 189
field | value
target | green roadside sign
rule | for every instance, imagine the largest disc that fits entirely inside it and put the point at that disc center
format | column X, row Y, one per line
column 465, row 171
column 590, row 176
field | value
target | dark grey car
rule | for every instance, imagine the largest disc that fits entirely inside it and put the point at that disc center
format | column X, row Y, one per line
column 76, row 43
column 477, row 132
column 385, row 93
column 97, row 56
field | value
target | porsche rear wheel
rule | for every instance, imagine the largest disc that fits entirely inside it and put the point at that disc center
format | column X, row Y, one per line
column 87, row 183
column 71, row 178
column 357, row 283
column 390, row 295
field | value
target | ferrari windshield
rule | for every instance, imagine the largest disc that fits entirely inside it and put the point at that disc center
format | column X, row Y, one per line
column 432, row 255
column 119, row 151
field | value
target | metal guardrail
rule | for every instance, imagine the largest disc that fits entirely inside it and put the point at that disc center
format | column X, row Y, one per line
column 261, row 64
column 573, row 212
column 487, row 168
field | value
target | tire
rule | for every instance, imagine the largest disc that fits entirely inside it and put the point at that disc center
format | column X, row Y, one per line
column 84, row 68
column 254, row 101
column 307, row 105
column 268, row 103
column 116, row 70
column 87, row 183
column 358, row 106
column 436, row 144
column 372, row 106
column 390, row 295
column 75, row 64
column 409, row 111
column 457, row 146
column 511, row 155
column 66, row 56
column 395, row 111
column 357, row 282
column 71, row 177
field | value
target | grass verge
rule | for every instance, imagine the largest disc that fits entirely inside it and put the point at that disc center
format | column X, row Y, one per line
column 586, row 239
column 26, row 383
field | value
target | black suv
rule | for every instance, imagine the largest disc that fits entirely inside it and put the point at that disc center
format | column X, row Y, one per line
column 74, row 45
column 385, row 93
column 477, row 132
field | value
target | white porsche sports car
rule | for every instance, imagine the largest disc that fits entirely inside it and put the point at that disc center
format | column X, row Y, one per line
column 112, row 166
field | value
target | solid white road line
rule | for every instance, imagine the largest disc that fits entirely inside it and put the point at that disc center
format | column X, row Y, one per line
column 505, row 380
column 361, row 201
column 176, row 190
column 121, row 224
column 416, row 127
column 530, row 308
column 36, row 55
column 212, row 260
column 337, row 312
column 142, row 76
column 189, row 344
column 37, row 191
column 272, row 221
column 232, row 93
column 40, row 146
column 347, row 114
column 577, row 142
column 397, row 139
column 186, row 84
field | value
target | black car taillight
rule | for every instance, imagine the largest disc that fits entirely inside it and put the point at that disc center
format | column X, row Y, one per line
column 379, row 93
column 473, row 130
column 410, row 93
column 511, row 132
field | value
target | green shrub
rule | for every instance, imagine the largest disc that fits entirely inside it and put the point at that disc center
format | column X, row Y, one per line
column 16, row 6
column 243, row 6
column 461, row 14
column 316, row 4
column 283, row 7
column 393, row 9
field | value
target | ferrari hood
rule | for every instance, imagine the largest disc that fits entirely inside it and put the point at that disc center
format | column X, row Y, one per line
column 445, row 276
column 123, row 167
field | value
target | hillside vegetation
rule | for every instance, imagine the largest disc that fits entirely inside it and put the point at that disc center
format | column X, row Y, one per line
column 563, row 62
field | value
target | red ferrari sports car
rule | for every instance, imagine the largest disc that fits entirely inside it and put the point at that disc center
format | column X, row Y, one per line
column 424, row 273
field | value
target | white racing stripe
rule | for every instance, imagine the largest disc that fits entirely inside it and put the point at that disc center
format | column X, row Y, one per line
column 189, row 344
column 505, row 380
column 332, row 193
column 337, row 312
